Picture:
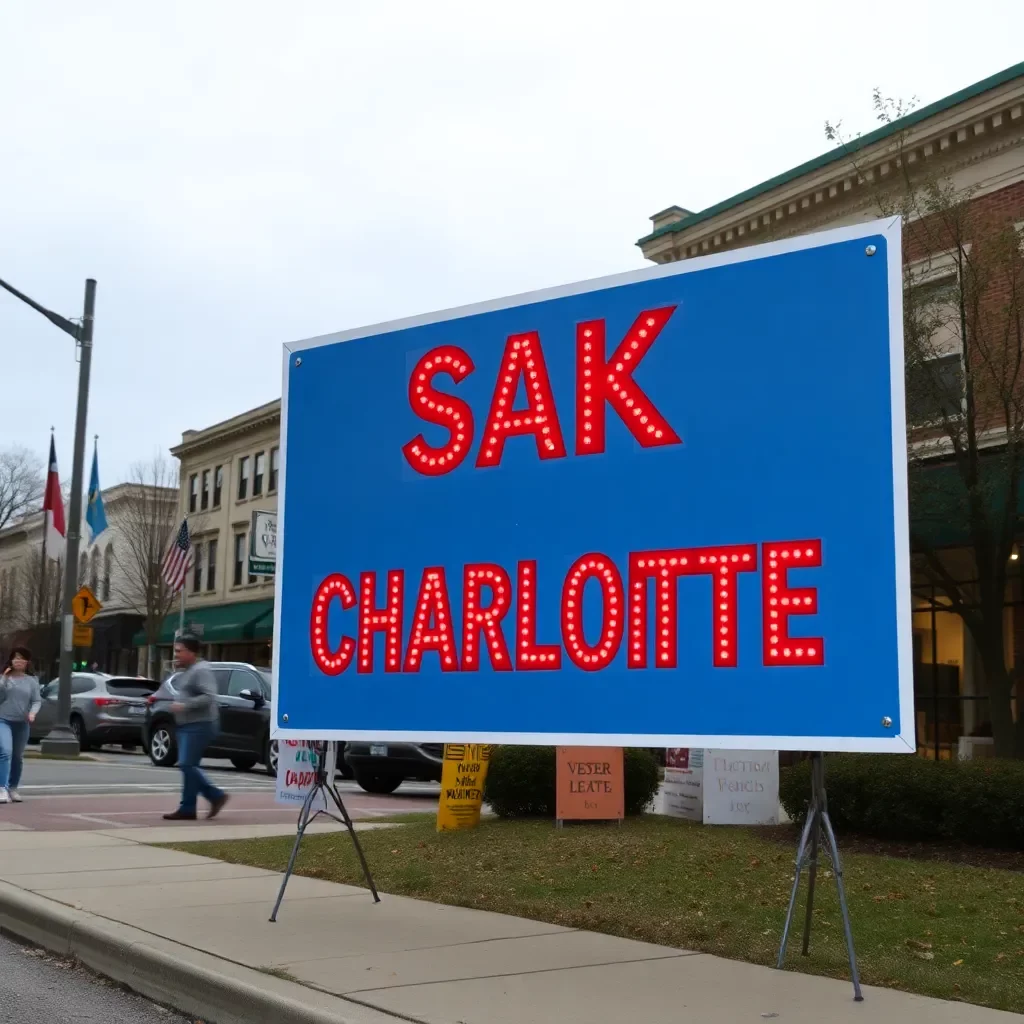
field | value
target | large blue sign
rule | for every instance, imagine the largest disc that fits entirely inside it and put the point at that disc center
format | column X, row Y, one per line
column 667, row 508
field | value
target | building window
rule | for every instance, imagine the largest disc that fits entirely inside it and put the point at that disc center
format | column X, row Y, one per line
column 218, row 485
column 259, row 468
column 935, row 372
column 193, row 492
column 205, row 501
column 252, row 578
column 211, row 563
column 197, row 570
column 108, row 570
column 94, row 570
column 275, row 463
column 236, row 579
column 83, row 568
column 243, row 478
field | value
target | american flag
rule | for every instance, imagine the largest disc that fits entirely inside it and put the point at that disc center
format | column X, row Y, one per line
column 178, row 559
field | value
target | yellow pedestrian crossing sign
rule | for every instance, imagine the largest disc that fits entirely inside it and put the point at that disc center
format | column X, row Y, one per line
column 86, row 605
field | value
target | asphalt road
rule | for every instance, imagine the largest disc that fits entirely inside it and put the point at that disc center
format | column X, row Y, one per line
column 121, row 790
column 35, row 986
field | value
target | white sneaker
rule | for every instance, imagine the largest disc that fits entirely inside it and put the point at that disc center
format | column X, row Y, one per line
column 15, row 796
column 5, row 797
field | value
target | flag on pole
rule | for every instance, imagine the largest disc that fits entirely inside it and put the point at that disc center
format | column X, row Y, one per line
column 95, row 516
column 54, row 529
column 178, row 559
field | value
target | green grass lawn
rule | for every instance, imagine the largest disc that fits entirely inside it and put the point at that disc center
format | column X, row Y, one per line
column 940, row 929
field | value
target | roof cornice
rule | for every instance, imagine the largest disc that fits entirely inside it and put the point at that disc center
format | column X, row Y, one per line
column 246, row 422
column 935, row 131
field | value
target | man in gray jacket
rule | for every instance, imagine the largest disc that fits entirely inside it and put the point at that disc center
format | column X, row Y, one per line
column 198, row 722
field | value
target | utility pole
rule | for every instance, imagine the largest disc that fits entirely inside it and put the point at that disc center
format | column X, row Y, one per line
column 61, row 739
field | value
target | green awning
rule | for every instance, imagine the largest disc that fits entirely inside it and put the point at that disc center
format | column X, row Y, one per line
column 939, row 515
column 222, row 623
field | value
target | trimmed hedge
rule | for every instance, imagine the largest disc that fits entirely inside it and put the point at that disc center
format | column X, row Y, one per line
column 910, row 798
column 521, row 781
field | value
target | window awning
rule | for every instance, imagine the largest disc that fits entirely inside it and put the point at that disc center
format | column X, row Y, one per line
column 222, row 623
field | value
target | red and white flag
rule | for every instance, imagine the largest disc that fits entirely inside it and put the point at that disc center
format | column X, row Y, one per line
column 54, row 529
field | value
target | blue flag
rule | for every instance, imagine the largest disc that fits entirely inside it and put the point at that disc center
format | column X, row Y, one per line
column 94, row 514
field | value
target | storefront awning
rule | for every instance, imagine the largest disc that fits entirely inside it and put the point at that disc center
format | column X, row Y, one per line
column 939, row 515
column 222, row 623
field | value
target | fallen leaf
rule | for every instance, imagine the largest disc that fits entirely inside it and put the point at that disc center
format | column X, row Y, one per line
column 917, row 944
column 957, row 963
column 921, row 955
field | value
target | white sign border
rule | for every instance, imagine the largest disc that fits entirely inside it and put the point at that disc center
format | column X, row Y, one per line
column 890, row 229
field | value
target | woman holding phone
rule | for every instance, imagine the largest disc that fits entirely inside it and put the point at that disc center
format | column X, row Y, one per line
column 19, row 705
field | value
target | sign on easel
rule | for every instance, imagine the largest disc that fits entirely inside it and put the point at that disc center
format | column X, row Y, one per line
column 589, row 784
column 296, row 772
column 552, row 501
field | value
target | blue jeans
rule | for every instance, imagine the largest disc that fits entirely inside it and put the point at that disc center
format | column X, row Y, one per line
column 13, row 737
column 193, row 739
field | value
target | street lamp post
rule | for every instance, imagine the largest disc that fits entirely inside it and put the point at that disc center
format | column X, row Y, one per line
column 61, row 739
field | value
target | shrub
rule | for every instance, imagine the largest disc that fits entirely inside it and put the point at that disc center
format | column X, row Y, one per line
column 910, row 798
column 521, row 781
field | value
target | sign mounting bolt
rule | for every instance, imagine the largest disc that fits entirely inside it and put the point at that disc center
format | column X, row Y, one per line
column 298, row 360
column 870, row 250
column 284, row 718
column 886, row 722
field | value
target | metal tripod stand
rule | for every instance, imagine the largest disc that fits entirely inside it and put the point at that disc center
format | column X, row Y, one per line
column 817, row 827
column 325, row 787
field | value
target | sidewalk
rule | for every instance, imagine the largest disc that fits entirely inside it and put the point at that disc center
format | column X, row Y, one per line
column 194, row 932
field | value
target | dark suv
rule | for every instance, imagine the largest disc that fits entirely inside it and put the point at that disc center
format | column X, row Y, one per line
column 381, row 767
column 243, row 694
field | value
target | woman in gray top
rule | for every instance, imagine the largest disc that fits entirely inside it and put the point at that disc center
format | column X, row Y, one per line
column 19, row 705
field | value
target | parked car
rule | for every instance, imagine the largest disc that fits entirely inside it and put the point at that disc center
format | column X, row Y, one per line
column 381, row 767
column 243, row 695
column 104, row 708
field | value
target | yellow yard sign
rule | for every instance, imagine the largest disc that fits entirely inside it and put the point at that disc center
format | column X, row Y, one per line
column 462, row 785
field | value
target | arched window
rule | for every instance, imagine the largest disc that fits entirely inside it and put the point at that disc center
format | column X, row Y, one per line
column 83, row 567
column 94, row 570
column 108, row 569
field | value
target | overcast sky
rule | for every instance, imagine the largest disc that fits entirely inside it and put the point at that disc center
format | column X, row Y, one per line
column 238, row 175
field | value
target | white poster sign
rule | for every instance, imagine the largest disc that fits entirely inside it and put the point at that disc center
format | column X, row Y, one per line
column 741, row 787
column 296, row 771
column 681, row 793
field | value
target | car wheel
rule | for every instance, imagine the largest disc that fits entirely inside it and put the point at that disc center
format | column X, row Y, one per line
column 163, row 749
column 270, row 758
column 78, row 728
column 244, row 764
column 376, row 782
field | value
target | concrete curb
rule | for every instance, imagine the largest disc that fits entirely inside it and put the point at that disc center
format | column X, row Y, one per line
column 218, row 991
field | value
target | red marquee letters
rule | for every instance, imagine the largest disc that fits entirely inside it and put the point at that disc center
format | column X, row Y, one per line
column 599, row 382
column 487, row 599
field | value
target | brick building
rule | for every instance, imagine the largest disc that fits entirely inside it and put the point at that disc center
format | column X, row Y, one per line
column 955, row 171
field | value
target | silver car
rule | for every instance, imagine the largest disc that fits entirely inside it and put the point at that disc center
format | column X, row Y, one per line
column 104, row 708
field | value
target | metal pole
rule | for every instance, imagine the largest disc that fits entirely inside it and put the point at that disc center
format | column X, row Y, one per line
column 61, row 740
column 181, row 613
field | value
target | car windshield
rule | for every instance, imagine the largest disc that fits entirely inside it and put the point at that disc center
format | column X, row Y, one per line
column 264, row 674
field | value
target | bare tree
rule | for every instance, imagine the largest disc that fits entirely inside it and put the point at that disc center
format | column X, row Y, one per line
column 21, row 484
column 36, row 610
column 964, row 341
column 147, row 520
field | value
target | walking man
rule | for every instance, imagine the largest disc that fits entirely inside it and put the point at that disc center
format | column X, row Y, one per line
column 198, row 721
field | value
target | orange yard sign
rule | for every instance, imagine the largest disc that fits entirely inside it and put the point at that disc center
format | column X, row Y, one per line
column 589, row 784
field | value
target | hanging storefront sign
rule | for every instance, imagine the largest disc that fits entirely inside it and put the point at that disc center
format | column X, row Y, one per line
column 263, row 544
